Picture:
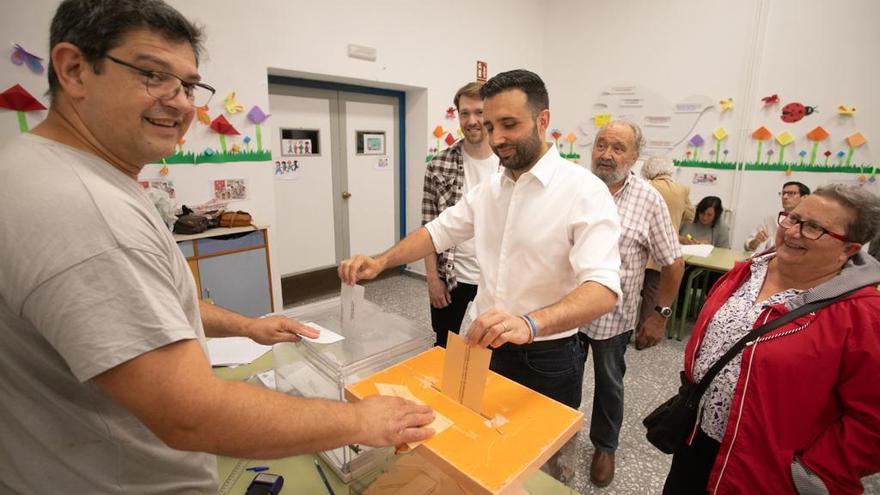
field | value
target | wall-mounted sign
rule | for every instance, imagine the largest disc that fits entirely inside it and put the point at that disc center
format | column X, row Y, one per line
column 482, row 71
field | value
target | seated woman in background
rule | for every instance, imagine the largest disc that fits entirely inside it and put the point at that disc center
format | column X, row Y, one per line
column 707, row 227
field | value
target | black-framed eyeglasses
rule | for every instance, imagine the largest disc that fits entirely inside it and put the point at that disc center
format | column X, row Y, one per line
column 165, row 85
column 809, row 230
column 786, row 194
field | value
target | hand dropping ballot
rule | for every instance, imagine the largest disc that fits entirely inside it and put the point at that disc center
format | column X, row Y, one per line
column 352, row 300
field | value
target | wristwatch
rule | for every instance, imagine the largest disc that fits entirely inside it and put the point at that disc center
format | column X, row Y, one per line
column 665, row 311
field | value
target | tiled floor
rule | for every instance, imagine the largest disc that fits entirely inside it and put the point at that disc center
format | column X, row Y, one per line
column 651, row 378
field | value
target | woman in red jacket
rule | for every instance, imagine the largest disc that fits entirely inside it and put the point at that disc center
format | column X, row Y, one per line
column 798, row 411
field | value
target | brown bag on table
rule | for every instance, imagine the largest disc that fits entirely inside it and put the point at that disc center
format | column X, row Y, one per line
column 235, row 219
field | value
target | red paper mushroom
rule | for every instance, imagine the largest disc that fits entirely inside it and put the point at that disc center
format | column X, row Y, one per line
column 222, row 126
column 18, row 99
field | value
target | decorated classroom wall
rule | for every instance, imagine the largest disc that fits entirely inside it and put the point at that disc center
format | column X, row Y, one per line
column 743, row 95
column 427, row 51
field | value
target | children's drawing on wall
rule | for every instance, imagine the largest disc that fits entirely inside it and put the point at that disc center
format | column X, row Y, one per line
column 665, row 124
column 705, row 179
column 230, row 189
column 296, row 147
column 165, row 185
column 287, row 169
column 374, row 144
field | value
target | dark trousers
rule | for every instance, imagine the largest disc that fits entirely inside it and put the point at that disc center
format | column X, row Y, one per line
column 554, row 368
column 691, row 467
column 449, row 318
column 609, row 367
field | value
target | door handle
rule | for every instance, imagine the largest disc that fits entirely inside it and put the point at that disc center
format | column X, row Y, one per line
column 346, row 195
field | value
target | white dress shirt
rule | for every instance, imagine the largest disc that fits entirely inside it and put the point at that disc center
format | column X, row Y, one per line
column 537, row 238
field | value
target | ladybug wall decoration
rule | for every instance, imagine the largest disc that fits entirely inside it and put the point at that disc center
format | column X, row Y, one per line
column 794, row 112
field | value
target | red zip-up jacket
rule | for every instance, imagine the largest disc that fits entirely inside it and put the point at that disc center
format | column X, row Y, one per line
column 808, row 393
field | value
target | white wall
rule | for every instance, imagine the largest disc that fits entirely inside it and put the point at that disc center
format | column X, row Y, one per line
column 814, row 52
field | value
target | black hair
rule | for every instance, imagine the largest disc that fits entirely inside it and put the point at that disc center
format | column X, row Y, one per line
column 526, row 81
column 710, row 202
column 97, row 26
column 802, row 188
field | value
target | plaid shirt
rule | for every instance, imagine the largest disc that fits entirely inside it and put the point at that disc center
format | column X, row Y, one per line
column 444, row 181
column 645, row 230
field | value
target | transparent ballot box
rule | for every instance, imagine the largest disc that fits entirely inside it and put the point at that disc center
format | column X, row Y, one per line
column 373, row 342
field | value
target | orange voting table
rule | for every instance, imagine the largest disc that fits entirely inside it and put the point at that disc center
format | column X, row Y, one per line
column 494, row 451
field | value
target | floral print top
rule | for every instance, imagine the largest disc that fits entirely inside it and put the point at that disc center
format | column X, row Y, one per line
column 732, row 322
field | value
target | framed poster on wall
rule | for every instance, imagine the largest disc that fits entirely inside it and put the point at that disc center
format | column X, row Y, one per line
column 370, row 142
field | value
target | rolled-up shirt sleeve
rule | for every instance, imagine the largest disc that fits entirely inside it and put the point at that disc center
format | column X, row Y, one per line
column 594, row 227
column 455, row 224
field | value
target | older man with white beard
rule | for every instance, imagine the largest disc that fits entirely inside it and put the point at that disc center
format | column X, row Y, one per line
column 646, row 231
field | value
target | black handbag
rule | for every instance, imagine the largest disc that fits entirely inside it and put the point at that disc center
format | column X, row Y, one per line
column 670, row 423
column 190, row 224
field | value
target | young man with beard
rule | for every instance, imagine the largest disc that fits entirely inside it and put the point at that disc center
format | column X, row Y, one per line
column 647, row 231
column 105, row 380
column 453, row 275
column 546, row 235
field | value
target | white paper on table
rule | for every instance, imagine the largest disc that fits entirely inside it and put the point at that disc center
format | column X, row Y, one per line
column 326, row 337
column 351, row 301
column 701, row 250
column 227, row 351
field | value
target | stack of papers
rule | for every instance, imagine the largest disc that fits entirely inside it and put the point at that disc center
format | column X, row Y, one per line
column 701, row 250
column 231, row 351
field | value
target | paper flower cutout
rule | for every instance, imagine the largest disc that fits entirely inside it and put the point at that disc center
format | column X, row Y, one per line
column 222, row 127
column 853, row 141
column 257, row 115
column 17, row 98
column 817, row 135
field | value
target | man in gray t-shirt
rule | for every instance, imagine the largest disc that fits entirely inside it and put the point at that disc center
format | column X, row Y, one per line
column 104, row 379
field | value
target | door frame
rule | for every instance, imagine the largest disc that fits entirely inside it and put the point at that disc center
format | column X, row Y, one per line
column 401, row 131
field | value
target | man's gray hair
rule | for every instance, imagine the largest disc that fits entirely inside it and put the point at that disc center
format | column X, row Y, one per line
column 657, row 166
column 865, row 204
column 637, row 132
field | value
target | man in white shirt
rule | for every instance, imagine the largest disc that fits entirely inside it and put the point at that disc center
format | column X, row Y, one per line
column 545, row 233
column 763, row 237
column 453, row 275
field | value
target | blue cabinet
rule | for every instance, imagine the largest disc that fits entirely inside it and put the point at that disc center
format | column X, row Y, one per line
column 232, row 266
